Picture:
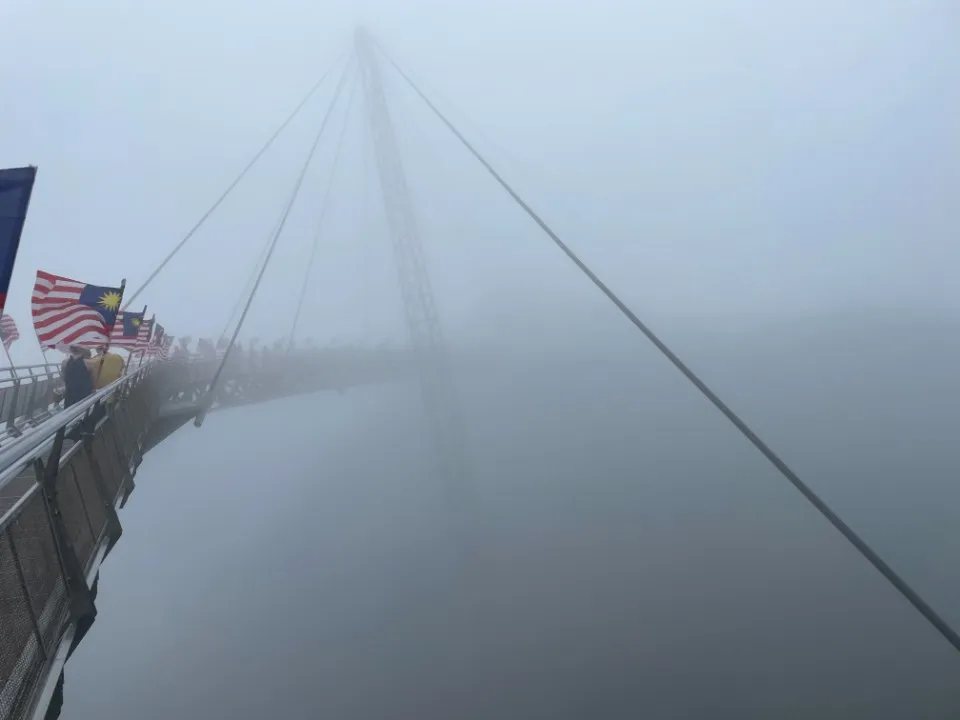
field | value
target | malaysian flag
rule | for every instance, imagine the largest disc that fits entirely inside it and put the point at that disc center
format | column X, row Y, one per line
column 144, row 332
column 126, row 330
column 8, row 331
column 162, row 345
column 143, row 343
column 70, row 312
column 155, row 345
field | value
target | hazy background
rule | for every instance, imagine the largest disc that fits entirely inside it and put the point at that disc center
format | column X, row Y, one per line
column 771, row 185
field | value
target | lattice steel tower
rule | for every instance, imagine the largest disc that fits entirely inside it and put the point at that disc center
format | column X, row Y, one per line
column 441, row 404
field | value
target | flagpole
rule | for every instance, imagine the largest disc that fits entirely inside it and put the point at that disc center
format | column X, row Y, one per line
column 46, row 360
column 13, row 369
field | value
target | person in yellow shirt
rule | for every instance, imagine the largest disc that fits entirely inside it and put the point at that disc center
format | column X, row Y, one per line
column 105, row 368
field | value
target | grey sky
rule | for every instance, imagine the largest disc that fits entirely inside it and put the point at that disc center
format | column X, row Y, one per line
column 752, row 158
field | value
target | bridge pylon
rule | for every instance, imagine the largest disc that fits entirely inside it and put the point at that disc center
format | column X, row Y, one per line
column 441, row 404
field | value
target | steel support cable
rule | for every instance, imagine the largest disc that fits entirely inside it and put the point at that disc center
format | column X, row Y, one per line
column 323, row 214
column 238, row 305
column 273, row 246
column 533, row 172
column 904, row 588
column 366, row 225
column 236, row 181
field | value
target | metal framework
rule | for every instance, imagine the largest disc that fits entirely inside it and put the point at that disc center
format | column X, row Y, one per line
column 423, row 324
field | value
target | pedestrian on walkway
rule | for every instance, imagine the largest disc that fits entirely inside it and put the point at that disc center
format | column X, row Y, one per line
column 105, row 368
column 77, row 381
column 78, row 384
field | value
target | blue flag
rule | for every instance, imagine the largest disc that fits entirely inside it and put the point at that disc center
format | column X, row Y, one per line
column 16, row 186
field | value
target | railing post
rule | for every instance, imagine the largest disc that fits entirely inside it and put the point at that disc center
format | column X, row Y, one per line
column 81, row 600
column 14, row 398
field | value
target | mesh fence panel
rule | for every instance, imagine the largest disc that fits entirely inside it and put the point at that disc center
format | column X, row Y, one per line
column 21, row 658
column 74, row 514
column 112, row 447
column 80, row 468
column 38, row 556
column 122, row 425
column 106, row 458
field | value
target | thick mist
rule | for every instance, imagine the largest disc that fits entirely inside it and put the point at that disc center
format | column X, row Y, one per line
column 624, row 554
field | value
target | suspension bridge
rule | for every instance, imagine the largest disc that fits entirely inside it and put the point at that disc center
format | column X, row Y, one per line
column 61, row 498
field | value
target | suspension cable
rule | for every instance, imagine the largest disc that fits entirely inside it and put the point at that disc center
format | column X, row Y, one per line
column 273, row 246
column 248, row 286
column 236, row 181
column 921, row 605
column 323, row 214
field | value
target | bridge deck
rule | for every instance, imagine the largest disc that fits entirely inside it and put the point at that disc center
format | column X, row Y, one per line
column 58, row 517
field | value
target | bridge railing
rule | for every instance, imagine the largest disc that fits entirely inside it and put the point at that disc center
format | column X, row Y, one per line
column 57, row 519
column 26, row 398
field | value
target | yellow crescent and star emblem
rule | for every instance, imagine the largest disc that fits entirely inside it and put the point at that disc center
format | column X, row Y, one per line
column 110, row 301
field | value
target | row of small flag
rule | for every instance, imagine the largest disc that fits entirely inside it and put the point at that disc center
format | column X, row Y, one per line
column 65, row 311
column 69, row 312
column 130, row 331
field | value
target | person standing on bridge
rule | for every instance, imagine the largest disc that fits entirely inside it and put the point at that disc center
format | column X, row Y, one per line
column 105, row 368
column 77, row 383
column 77, row 380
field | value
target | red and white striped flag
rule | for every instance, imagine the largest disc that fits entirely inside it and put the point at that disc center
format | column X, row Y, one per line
column 8, row 331
column 126, row 330
column 143, row 334
column 161, row 347
column 70, row 312
column 160, row 343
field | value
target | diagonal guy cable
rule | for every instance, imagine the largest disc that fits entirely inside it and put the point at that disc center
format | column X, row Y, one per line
column 911, row 595
column 323, row 213
column 236, row 181
column 204, row 404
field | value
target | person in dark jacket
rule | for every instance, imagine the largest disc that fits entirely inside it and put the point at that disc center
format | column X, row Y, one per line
column 77, row 381
column 77, row 384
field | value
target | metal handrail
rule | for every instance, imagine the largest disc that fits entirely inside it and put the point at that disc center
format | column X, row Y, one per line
column 35, row 443
column 39, row 439
column 28, row 372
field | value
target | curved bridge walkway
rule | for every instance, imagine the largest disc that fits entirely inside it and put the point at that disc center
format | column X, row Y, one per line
column 64, row 474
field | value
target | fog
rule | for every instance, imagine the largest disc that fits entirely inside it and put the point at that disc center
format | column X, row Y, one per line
column 770, row 185
column 628, row 554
